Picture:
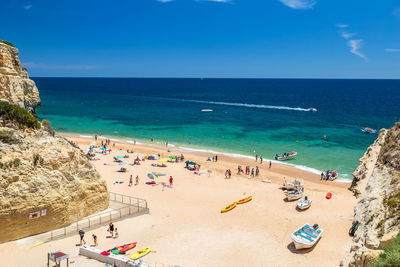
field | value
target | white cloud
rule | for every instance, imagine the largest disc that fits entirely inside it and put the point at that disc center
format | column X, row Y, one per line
column 392, row 49
column 28, row 7
column 299, row 4
column 341, row 25
column 347, row 35
column 33, row 65
column 355, row 46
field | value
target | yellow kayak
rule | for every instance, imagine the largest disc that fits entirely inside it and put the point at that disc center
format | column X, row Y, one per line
column 229, row 207
column 140, row 253
column 245, row 200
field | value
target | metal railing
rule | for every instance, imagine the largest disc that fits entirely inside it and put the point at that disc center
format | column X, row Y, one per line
column 132, row 206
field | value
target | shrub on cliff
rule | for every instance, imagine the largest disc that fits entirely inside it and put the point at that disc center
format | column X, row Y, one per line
column 11, row 113
column 390, row 256
column 7, row 43
column 47, row 127
column 7, row 137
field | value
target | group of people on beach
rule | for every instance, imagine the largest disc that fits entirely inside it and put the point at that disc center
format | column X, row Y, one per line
column 253, row 172
column 111, row 229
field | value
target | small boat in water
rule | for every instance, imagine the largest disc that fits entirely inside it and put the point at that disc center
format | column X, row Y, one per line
column 206, row 110
column 368, row 130
column 311, row 109
column 286, row 156
column 306, row 236
column 303, row 204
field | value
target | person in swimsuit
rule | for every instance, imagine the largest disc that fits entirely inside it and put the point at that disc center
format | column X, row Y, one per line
column 82, row 235
column 111, row 229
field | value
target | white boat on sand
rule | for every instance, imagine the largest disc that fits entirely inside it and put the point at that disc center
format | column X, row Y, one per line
column 303, row 204
column 292, row 185
column 306, row 236
column 294, row 195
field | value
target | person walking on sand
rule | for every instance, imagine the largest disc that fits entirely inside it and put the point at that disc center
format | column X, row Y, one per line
column 111, row 229
column 261, row 160
column 130, row 180
column 252, row 172
column 94, row 240
column 171, row 182
column 270, row 164
column 82, row 235
column 257, row 170
column 137, row 180
column 229, row 173
column 226, row 174
column 239, row 169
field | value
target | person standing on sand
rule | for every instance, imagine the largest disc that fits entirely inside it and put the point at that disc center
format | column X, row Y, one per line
column 252, row 172
column 171, row 182
column 239, row 169
column 95, row 137
column 229, row 173
column 111, row 229
column 216, row 158
column 137, row 180
column 261, row 159
column 226, row 174
column 94, row 240
column 256, row 158
column 270, row 164
column 82, row 235
column 130, row 180
column 116, row 233
column 257, row 170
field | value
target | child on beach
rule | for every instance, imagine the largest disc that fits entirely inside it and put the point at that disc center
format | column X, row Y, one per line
column 94, row 240
column 116, row 233
column 82, row 235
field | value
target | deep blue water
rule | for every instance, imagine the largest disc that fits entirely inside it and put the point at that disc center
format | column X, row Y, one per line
column 263, row 115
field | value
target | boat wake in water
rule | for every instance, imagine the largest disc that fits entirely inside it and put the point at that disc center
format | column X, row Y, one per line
column 237, row 104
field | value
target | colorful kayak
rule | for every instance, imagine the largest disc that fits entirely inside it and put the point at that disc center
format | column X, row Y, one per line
column 120, row 249
column 140, row 253
column 245, row 200
column 229, row 207
column 329, row 195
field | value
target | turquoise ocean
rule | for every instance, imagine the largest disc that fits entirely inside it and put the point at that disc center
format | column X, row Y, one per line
column 249, row 117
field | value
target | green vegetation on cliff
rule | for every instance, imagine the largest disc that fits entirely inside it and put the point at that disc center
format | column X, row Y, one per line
column 390, row 256
column 10, row 113
column 7, row 43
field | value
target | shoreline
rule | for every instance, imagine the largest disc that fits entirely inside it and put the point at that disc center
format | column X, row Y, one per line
column 279, row 170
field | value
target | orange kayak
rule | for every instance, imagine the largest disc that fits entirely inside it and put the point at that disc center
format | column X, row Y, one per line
column 229, row 207
column 120, row 249
column 245, row 200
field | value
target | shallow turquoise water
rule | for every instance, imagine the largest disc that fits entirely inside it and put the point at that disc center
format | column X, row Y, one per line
column 251, row 116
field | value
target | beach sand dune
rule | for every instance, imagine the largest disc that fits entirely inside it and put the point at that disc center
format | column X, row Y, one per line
column 185, row 226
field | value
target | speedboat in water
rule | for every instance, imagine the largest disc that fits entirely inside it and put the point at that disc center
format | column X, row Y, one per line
column 286, row 156
column 368, row 130
column 206, row 110
column 311, row 109
column 306, row 236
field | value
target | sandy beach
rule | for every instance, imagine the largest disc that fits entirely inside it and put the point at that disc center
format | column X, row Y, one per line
column 185, row 226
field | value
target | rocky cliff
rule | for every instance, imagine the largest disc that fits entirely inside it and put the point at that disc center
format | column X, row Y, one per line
column 377, row 185
column 45, row 181
column 15, row 85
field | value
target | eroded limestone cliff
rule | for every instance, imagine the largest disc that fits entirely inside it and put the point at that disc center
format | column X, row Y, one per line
column 377, row 185
column 15, row 85
column 45, row 181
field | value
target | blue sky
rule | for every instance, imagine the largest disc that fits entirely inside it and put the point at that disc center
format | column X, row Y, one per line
column 189, row 38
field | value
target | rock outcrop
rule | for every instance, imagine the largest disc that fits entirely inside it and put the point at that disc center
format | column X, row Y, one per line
column 377, row 185
column 15, row 85
column 46, row 182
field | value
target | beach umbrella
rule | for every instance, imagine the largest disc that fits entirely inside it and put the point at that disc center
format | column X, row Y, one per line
column 190, row 162
column 158, row 174
column 122, row 163
column 172, row 157
column 152, row 176
column 163, row 160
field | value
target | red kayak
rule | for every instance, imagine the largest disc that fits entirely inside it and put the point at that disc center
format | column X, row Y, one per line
column 120, row 249
column 329, row 195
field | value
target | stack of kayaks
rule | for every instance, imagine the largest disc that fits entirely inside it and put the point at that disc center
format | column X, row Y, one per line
column 119, row 250
column 233, row 205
